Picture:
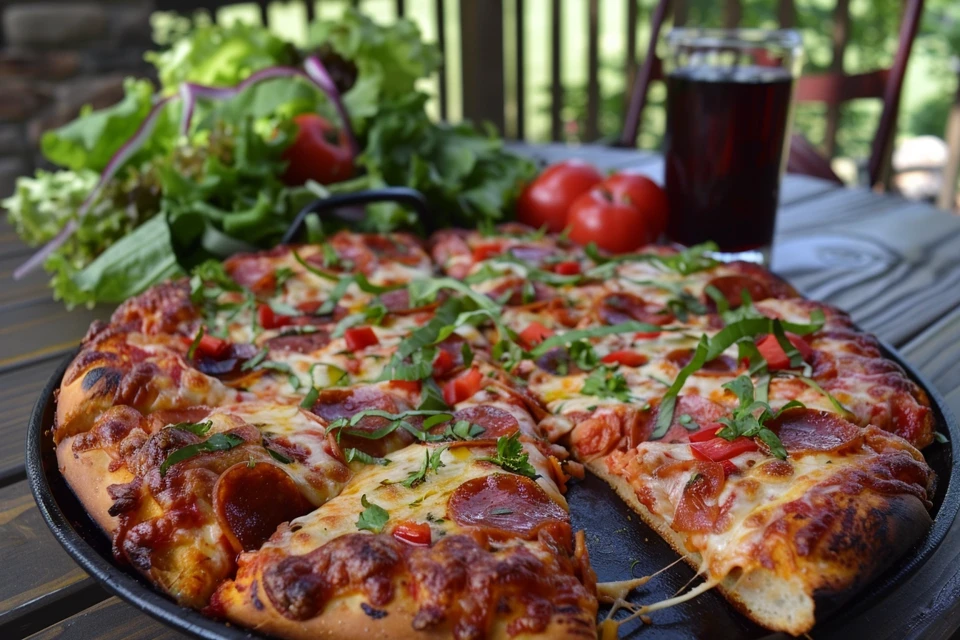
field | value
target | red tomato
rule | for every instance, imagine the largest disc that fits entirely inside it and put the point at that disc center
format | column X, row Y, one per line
column 415, row 533
column 547, row 200
column 462, row 387
column 269, row 319
column 569, row 268
column 212, row 346
column 410, row 386
column 645, row 195
column 486, row 250
column 706, row 433
column 719, row 449
column 360, row 338
column 625, row 357
column 320, row 152
column 534, row 334
column 443, row 363
column 773, row 353
column 613, row 224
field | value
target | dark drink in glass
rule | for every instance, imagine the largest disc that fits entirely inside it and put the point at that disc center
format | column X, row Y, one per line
column 729, row 101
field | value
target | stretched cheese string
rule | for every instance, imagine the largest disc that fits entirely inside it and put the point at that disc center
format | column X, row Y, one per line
column 610, row 628
column 617, row 590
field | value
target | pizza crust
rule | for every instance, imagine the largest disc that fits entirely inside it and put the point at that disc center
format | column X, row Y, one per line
column 793, row 604
column 88, row 473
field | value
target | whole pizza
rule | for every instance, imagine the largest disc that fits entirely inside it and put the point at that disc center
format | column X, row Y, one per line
column 372, row 437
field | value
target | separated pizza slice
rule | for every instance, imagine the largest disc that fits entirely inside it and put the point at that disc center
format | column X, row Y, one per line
column 467, row 538
column 789, row 536
column 181, row 493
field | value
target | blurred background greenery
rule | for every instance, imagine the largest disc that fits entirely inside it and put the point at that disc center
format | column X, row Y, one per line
column 929, row 90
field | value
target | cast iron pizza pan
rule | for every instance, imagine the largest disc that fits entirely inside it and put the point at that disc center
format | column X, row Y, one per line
column 620, row 545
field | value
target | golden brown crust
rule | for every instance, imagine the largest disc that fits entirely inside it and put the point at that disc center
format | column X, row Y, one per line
column 89, row 475
column 361, row 584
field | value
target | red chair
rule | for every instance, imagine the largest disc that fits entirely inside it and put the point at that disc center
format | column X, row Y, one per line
column 832, row 88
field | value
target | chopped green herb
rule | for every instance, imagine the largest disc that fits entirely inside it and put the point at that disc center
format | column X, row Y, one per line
column 276, row 455
column 511, row 456
column 216, row 442
column 350, row 454
column 255, row 360
column 373, row 517
column 604, row 382
column 197, row 428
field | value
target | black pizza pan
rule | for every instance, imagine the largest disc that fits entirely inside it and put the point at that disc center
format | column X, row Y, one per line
column 620, row 545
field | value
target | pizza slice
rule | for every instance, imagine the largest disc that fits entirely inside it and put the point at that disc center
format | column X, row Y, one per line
column 787, row 536
column 181, row 493
column 469, row 539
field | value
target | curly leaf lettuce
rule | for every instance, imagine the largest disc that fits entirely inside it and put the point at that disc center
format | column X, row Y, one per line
column 220, row 56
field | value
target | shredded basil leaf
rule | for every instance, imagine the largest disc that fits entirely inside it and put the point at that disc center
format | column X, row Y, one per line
column 373, row 517
column 216, row 442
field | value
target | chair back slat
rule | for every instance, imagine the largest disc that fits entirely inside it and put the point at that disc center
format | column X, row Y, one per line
column 649, row 70
column 883, row 140
column 630, row 62
column 401, row 8
column 592, row 126
column 520, row 129
column 836, row 88
column 787, row 14
column 481, row 36
column 556, row 76
column 441, row 17
column 732, row 14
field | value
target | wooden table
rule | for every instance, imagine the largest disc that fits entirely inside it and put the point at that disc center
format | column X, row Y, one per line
column 894, row 265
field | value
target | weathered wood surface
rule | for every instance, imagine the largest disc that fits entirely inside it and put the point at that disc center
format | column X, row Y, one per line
column 894, row 265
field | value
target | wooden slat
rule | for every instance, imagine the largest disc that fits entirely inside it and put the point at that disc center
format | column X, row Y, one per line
column 10, row 243
column 680, row 12
column 19, row 390
column 592, row 126
column 605, row 158
column 787, row 14
column 630, row 62
column 732, row 14
column 936, row 353
column 556, row 78
column 481, row 35
column 41, row 579
column 401, row 8
column 42, row 329
column 112, row 619
column 33, row 286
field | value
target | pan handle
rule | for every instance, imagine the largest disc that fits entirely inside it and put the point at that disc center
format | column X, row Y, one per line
column 401, row 195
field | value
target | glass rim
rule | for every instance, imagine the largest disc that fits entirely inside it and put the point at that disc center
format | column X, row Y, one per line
column 739, row 38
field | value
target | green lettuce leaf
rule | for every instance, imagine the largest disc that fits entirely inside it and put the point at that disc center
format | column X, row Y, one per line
column 91, row 140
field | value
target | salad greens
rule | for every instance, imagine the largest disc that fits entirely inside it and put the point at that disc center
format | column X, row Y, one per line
column 165, row 180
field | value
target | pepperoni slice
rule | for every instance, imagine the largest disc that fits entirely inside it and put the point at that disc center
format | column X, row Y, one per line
column 300, row 342
column 395, row 247
column 252, row 501
column 732, row 288
column 253, row 273
column 697, row 510
column 803, row 430
column 722, row 365
column 397, row 300
column 333, row 404
column 504, row 504
column 618, row 308
column 496, row 422
column 701, row 412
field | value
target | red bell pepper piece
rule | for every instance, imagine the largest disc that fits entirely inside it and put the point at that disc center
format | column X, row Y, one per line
column 625, row 357
column 534, row 334
column 360, row 338
column 443, row 363
column 462, row 387
column 269, row 319
column 567, row 268
column 415, row 533
column 212, row 346
column 487, row 250
column 773, row 353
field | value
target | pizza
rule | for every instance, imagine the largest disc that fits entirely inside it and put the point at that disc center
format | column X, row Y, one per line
column 373, row 435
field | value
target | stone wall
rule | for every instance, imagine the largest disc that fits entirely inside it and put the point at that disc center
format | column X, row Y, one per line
column 56, row 57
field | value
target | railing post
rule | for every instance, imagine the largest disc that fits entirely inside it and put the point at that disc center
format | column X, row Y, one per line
column 948, row 190
column 481, row 35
